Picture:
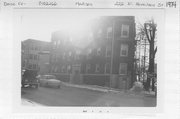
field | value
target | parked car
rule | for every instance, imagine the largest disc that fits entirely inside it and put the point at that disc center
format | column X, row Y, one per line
column 155, row 88
column 29, row 78
column 49, row 80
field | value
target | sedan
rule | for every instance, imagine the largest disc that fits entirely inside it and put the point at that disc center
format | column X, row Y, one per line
column 49, row 80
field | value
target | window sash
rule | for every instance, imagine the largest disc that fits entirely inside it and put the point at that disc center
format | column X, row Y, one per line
column 97, row 68
column 108, row 51
column 88, row 67
column 107, row 68
column 123, row 68
column 124, row 50
column 125, row 28
column 109, row 32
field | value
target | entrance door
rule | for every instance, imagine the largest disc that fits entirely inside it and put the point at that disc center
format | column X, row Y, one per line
column 76, row 77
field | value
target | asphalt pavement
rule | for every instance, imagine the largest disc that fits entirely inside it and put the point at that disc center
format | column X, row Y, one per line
column 68, row 95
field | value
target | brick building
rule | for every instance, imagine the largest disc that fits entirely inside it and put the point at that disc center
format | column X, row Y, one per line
column 64, row 56
column 110, row 57
column 108, row 60
column 30, row 50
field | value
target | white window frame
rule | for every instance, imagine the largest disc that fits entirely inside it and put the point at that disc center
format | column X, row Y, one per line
column 125, row 28
column 109, row 29
column 54, row 43
column 88, row 67
column 106, row 68
column 64, row 55
column 70, row 54
column 124, row 47
column 99, row 32
column 99, row 51
column 89, row 51
column 52, row 69
column 63, row 69
column 77, row 55
column 56, row 69
column 107, row 51
column 59, row 42
column 96, row 68
column 120, row 66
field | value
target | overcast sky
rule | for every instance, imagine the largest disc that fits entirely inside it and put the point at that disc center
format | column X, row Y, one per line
column 39, row 24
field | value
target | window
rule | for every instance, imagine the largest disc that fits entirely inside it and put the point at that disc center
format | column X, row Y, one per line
column 59, row 42
column 63, row 69
column 77, row 55
column 55, row 69
column 32, row 48
column 35, row 47
column 30, row 56
column 64, row 55
column 34, row 66
column 54, row 43
column 56, row 59
column 69, row 68
column 35, row 57
column 99, row 32
column 124, row 50
column 89, row 51
column 88, row 67
column 107, row 68
column 30, row 66
column 123, row 68
column 70, row 54
column 125, row 31
column 38, row 57
column 98, row 51
column 52, row 69
column 109, row 32
column 97, row 68
column 23, row 64
column 108, row 51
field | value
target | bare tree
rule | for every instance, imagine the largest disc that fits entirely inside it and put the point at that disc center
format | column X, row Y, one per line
column 149, row 31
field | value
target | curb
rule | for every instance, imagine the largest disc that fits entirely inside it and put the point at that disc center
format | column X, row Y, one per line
column 105, row 90
column 92, row 88
column 26, row 102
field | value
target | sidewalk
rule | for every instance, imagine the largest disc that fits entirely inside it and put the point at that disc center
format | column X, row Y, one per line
column 107, row 89
column 26, row 102
column 92, row 87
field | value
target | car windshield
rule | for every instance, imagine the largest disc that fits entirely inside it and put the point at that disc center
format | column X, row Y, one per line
column 50, row 77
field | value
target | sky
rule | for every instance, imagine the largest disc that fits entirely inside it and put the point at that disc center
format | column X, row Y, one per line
column 39, row 24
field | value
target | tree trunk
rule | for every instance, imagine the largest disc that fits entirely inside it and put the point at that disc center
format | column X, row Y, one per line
column 151, row 65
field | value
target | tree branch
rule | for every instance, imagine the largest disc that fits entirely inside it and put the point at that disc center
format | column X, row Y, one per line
column 151, row 35
column 155, row 50
column 146, row 32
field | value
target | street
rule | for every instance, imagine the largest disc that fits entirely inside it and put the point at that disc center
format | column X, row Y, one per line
column 71, row 96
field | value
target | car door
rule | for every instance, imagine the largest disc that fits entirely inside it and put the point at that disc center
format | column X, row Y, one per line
column 43, row 80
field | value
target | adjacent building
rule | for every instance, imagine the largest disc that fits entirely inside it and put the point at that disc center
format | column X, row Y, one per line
column 64, row 56
column 31, row 51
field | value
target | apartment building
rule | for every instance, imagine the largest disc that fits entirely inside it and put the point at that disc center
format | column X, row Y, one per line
column 110, row 56
column 107, row 60
column 31, row 50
